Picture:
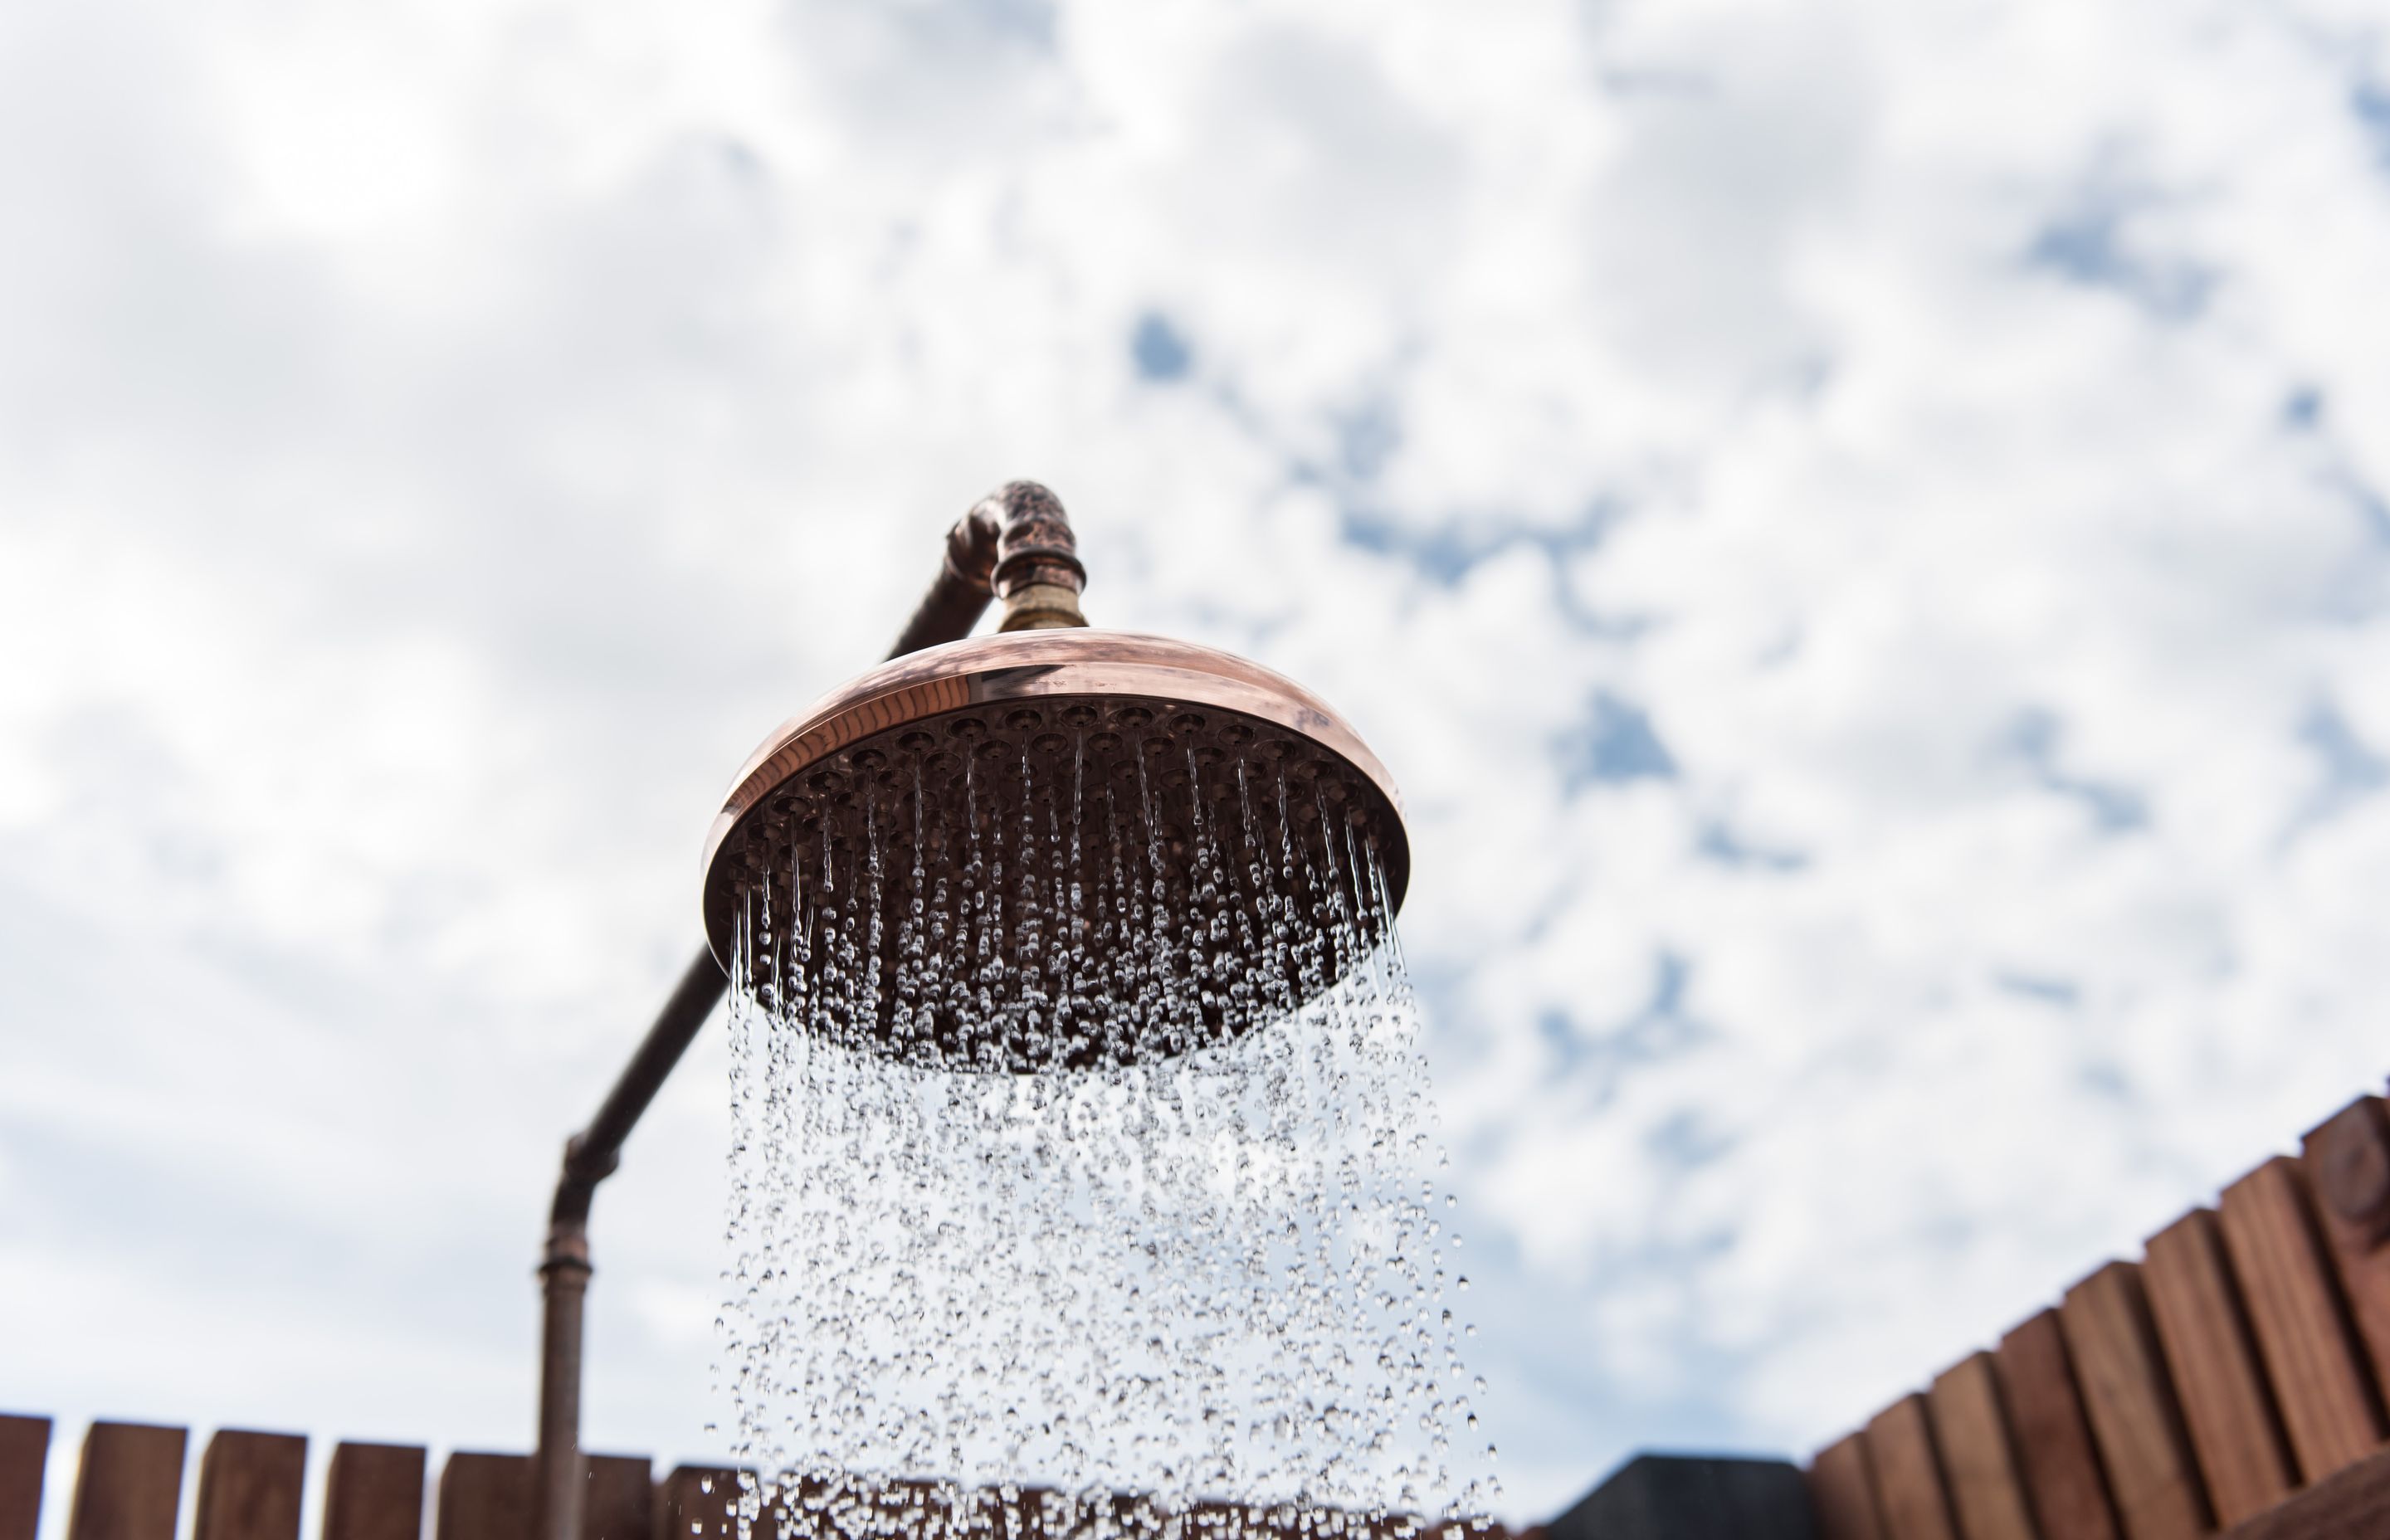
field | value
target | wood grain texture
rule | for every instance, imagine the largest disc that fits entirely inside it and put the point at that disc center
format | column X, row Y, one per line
column 250, row 1486
column 2053, row 1437
column 2130, row 1405
column 375, row 1491
column 1908, row 1489
column 2311, row 1357
column 2354, row 1505
column 1979, row 1465
column 485, row 1498
column 2226, row 1403
column 2347, row 1162
column 701, row 1502
column 24, row 1453
column 622, row 1501
column 1842, row 1492
column 129, row 1484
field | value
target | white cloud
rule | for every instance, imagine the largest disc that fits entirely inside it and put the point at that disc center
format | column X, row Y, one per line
column 435, row 444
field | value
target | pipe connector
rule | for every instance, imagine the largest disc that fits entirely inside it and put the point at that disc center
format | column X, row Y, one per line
column 972, row 546
column 1037, row 573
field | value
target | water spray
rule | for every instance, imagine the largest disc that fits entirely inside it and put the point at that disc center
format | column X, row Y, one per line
column 1028, row 879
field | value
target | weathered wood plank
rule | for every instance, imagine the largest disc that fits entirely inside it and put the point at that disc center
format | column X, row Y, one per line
column 375, row 1491
column 485, row 1498
column 1907, row 1473
column 24, row 1455
column 2053, row 1437
column 701, row 1502
column 250, row 1486
column 2354, row 1505
column 621, row 1500
column 2130, row 1405
column 129, row 1484
column 2326, row 1397
column 2348, row 1160
column 490, row 1497
column 1978, row 1460
column 1841, row 1491
column 2226, row 1405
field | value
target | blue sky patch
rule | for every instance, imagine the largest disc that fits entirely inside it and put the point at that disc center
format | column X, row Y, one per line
column 1446, row 552
column 2089, row 246
column 2352, row 769
column 1657, row 1032
column 2370, row 507
column 1367, row 439
column 2034, row 737
column 1160, row 352
column 2370, row 102
column 1720, row 844
column 2062, row 992
column 1614, row 744
column 1685, row 1141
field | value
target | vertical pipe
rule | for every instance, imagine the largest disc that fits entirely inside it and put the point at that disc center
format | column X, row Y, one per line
column 560, row 1495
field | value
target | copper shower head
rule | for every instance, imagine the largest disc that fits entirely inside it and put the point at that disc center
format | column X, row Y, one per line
column 1131, row 781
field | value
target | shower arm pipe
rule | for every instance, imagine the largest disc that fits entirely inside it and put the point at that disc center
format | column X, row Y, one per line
column 1015, row 546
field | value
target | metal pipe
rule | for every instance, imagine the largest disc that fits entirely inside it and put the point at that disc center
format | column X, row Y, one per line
column 965, row 582
column 1038, row 571
column 589, row 1158
column 1015, row 542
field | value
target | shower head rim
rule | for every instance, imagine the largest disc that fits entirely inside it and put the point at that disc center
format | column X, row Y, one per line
column 1029, row 665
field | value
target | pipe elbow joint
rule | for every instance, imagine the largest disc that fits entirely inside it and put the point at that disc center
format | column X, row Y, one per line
column 1038, row 571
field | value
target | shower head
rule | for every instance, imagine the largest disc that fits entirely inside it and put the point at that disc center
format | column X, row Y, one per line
column 1053, row 848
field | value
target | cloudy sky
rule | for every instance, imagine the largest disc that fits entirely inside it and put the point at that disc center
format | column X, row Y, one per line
column 1861, row 528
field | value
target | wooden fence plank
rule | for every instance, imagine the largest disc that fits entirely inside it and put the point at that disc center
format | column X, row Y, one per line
column 250, row 1486
column 375, row 1493
column 2225, row 1403
column 2131, row 1408
column 1908, row 1475
column 24, row 1455
column 2348, row 1160
column 129, row 1484
column 1841, row 1490
column 701, row 1502
column 2354, row 1505
column 485, row 1498
column 2053, row 1439
column 490, row 1497
column 622, row 1501
column 2326, row 1397
column 1978, row 1461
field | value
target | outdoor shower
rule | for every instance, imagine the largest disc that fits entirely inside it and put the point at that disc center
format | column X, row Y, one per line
column 1049, row 849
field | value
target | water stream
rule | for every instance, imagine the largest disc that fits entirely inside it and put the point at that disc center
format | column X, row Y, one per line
column 1081, row 1141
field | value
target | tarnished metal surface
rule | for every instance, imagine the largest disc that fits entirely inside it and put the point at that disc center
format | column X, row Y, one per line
column 1114, row 670
column 1061, row 754
column 1037, row 573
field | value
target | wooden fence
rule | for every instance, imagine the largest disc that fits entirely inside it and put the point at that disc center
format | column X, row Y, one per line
column 128, row 1486
column 2229, row 1381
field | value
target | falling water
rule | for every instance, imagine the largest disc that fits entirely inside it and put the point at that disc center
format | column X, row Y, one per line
column 1082, row 1142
